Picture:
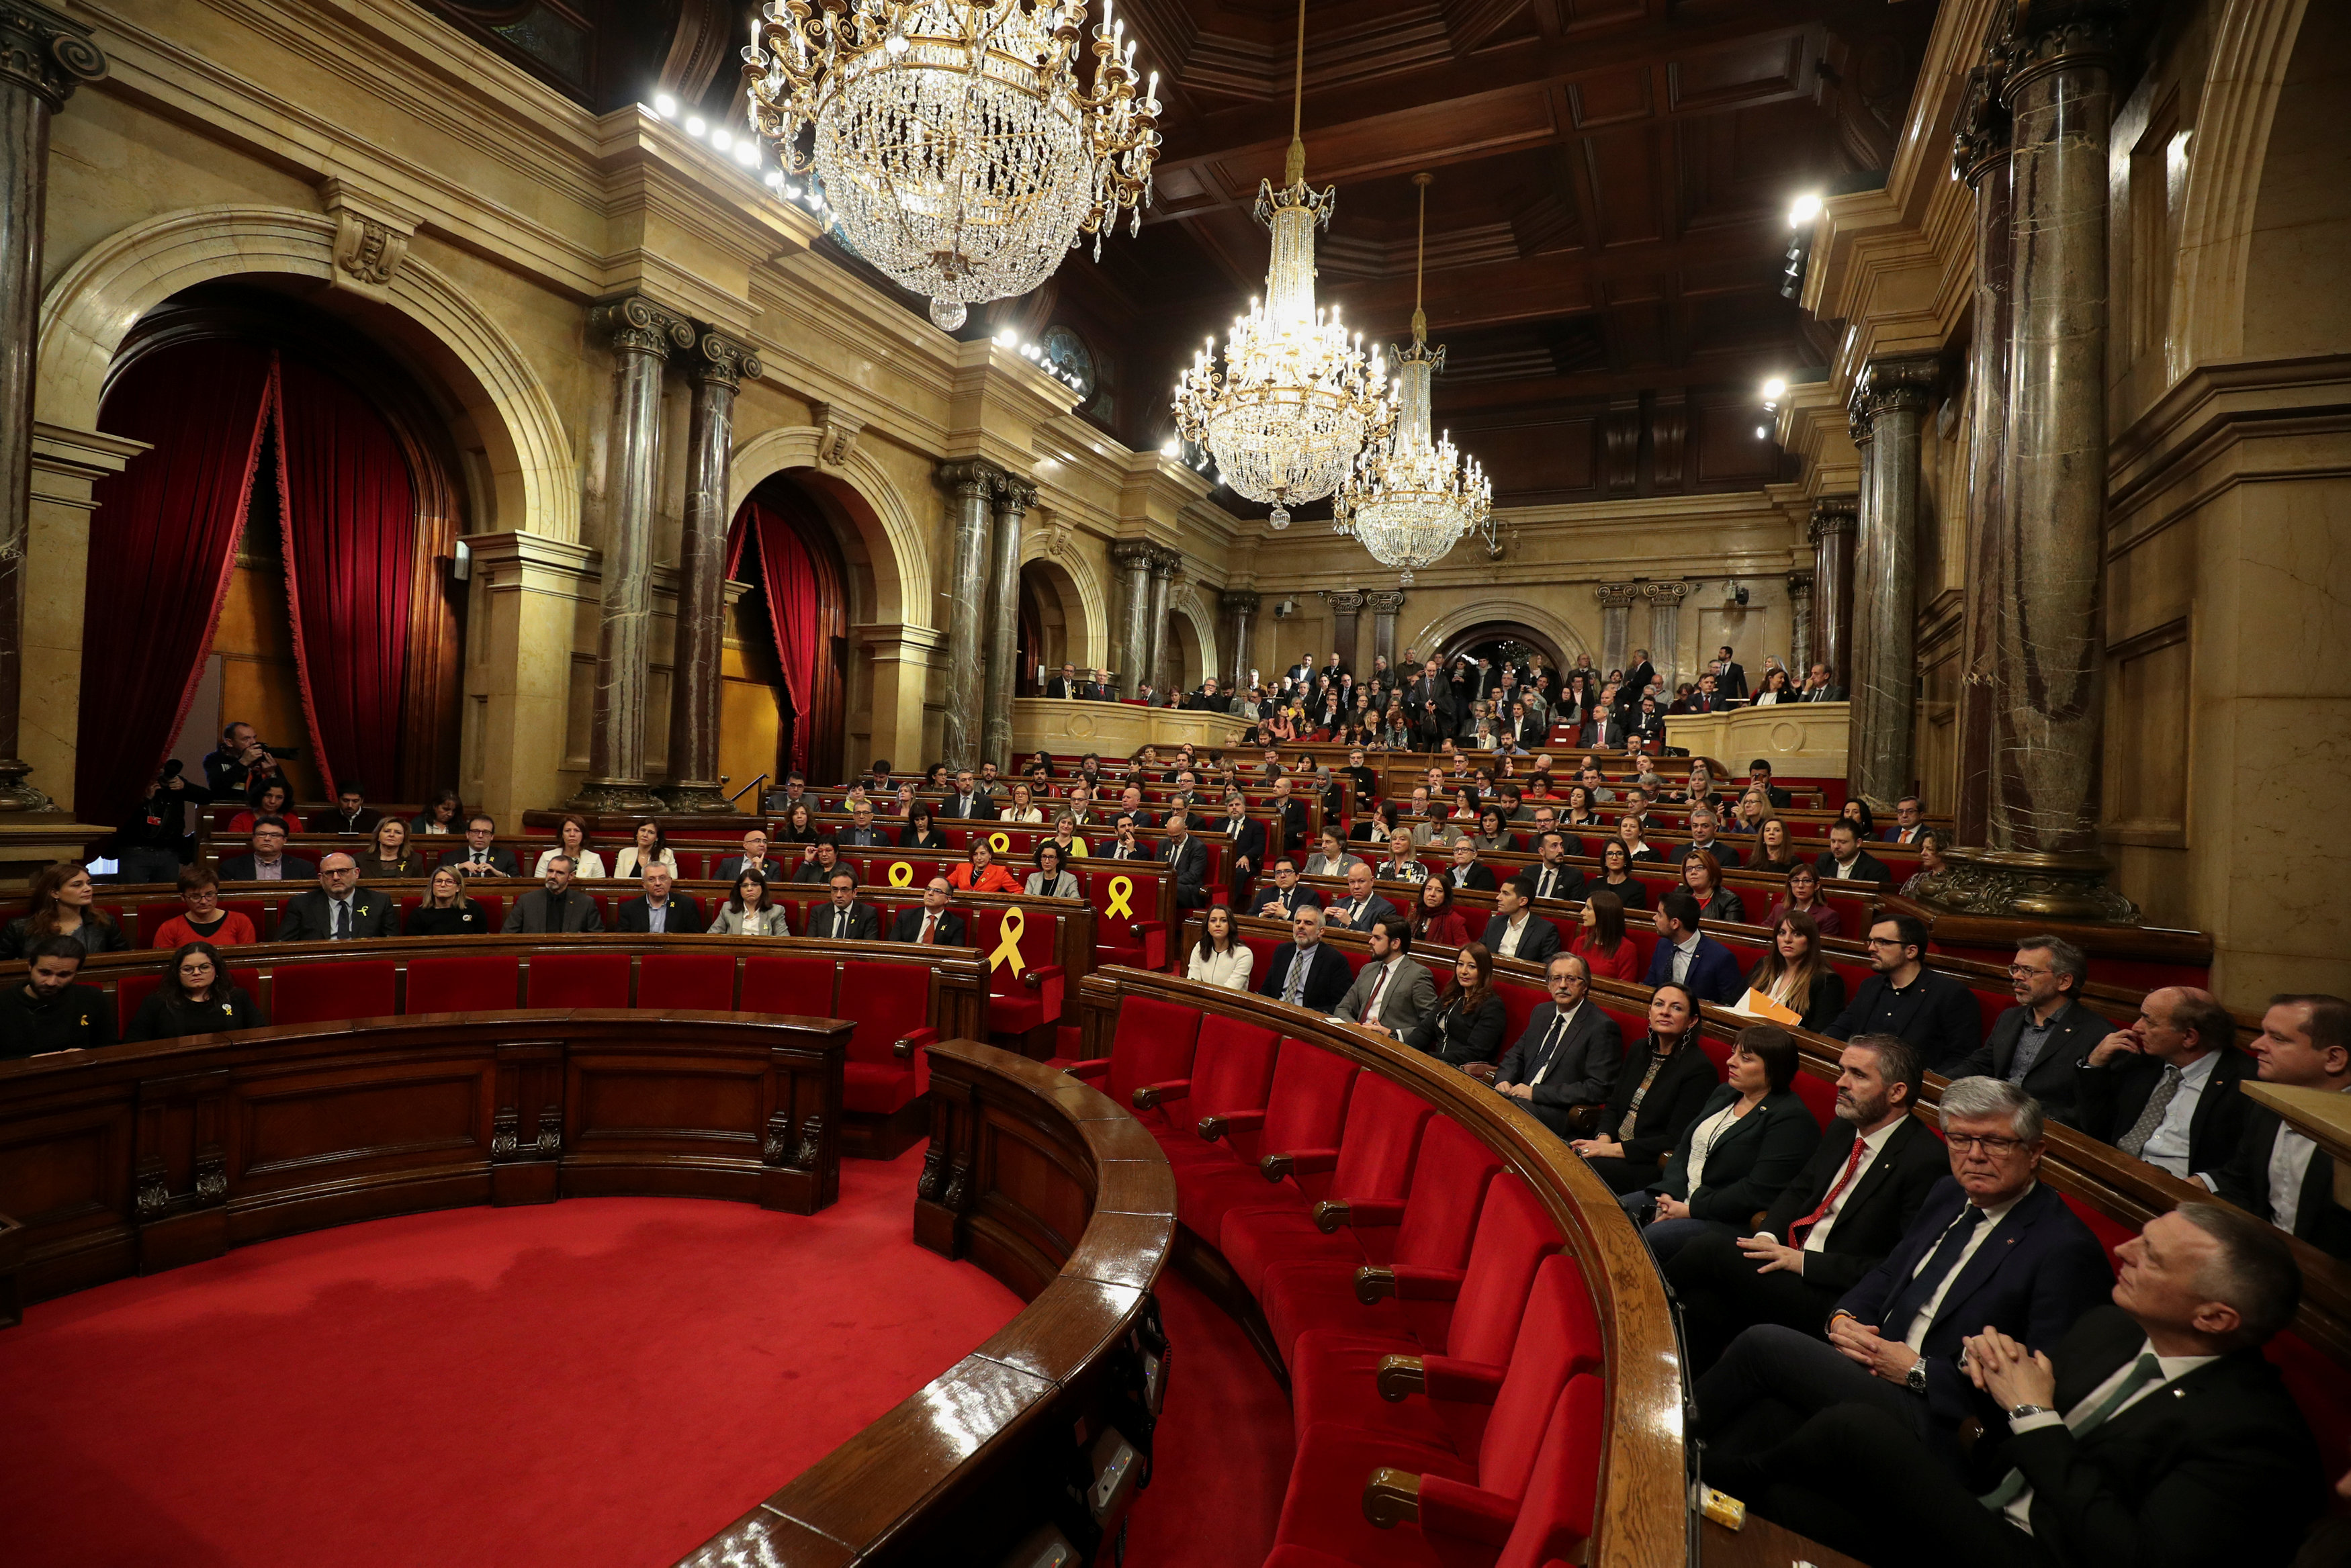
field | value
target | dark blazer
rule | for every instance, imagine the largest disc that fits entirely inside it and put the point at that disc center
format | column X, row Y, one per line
column 909, row 927
column 1751, row 1164
column 2245, row 1182
column 1878, row 1210
column 501, row 859
column 239, row 868
column 1335, row 911
column 1724, row 904
column 1584, row 1064
column 309, row 919
column 1536, row 943
column 731, row 867
column 1188, row 862
column 467, row 918
column 1633, row 893
column 1476, row 876
column 864, row 922
column 1713, row 974
column 2031, row 1279
column 1247, row 844
column 1672, row 1103
column 530, row 912
column 1725, row 855
column 1937, row 1015
column 1292, row 814
column 96, row 936
column 981, row 804
column 909, row 839
column 1829, row 693
column 1298, row 897
column 1458, row 1037
column 2108, row 1099
column 871, row 838
column 2218, row 1467
column 162, row 1017
column 685, row 918
column 1567, row 883
column 2051, row 1079
column 1866, row 867
column 1326, row 983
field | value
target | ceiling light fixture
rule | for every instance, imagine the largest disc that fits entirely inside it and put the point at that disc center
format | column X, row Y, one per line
column 1807, row 209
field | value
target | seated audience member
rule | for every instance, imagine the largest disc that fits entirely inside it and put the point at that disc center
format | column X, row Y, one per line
column 555, row 907
column 1910, row 821
column 1050, row 880
column 1847, row 860
column 1553, row 876
column 1933, row 1011
column 1287, row 895
column 1795, row 974
column 1991, row 1248
column 1221, row 958
column 1751, row 1138
column 339, row 909
column 979, row 872
column 649, row 848
column 1656, row 1095
column 756, row 857
column 2279, row 1174
column 1686, row 957
column 2039, row 1043
column 661, row 910
column 2164, row 1088
column 51, row 1012
column 388, row 858
column 204, row 920
column 272, row 799
column 843, row 918
column 1930, row 862
column 1467, row 1023
column 195, row 998
column 60, row 904
column 1362, row 905
column 1703, row 821
column 1775, row 850
column 922, row 830
column 445, row 910
column 1435, row 922
column 1758, row 776
column 1833, row 1223
column 1856, row 811
column 1394, row 992
column 821, row 860
column 1616, row 877
column 1637, row 848
column 1702, row 880
column 1187, row 859
column 1600, row 940
column 967, row 800
column 1124, row 843
column 443, row 816
column 1306, row 973
column 1516, row 931
column 748, row 911
column 478, row 856
column 1569, row 1054
column 2155, row 1431
column 1022, row 806
column 1244, row 845
column 1819, row 686
column 350, row 813
column 933, row 925
column 266, row 860
column 1464, row 871
column 1402, row 865
column 1803, row 896
column 799, row 826
column 571, row 843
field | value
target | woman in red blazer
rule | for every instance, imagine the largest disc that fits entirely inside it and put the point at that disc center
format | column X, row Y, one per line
column 1602, row 944
column 1435, row 919
column 981, row 874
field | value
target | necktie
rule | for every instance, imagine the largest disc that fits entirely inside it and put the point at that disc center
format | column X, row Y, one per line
column 841, row 922
column 1301, row 960
column 1372, row 1003
column 1798, row 1230
column 1922, row 1286
column 2134, row 1141
column 1550, row 1044
column 2147, row 1369
column 342, row 920
column 930, row 929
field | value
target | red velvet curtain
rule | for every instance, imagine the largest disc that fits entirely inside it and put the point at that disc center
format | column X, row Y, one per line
column 350, row 512
column 162, row 543
column 801, row 577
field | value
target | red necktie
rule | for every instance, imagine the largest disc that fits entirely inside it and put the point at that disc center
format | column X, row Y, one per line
column 1797, row 1231
column 929, row 923
column 1372, row 1003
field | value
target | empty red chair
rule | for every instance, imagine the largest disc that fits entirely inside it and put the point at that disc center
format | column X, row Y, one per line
column 131, row 993
column 462, row 985
column 696, row 982
column 1153, row 1043
column 1127, row 928
column 153, row 915
column 802, row 986
column 1025, row 1003
column 886, row 1067
column 1305, row 1108
column 1231, row 1070
column 577, row 980
column 328, row 992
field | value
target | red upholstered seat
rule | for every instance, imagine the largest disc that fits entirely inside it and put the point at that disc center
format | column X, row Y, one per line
column 1563, row 1491
column 1153, row 1044
column 1818, row 1093
column 886, row 1009
column 704, row 981
column 795, row 985
column 1306, row 1109
column 2321, row 1386
column 324, row 992
column 577, row 980
column 152, row 917
column 130, row 993
column 461, row 984
column 1015, row 1006
column 2111, row 1232
column 1232, row 1070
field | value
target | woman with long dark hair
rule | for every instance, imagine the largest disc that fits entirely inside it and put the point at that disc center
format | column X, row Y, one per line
column 1602, row 943
column 650, row 847
column 1796, row 974
column 1221, row 958
column 195, row 998
column 748, row 911
column 1434, row 918
column 1659, row 1088
column 1051, row 879
column 1803, row 898
column 270, row 798
column 1468, row 1024
column 571, row 839
column 61, row 904
column 922, row 830
column 445, row 813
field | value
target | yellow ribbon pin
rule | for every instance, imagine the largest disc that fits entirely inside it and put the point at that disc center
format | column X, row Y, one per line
column 1121, row 887
column 999, row 842
column 901, row 874
column 1008, row 946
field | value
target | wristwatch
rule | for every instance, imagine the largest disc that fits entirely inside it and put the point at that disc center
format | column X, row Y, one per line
column 1915, row 1378
column 2019, row 1412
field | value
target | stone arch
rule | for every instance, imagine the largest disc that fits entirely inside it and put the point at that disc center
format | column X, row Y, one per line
column 879, row 533
column 1081, row 631
column 1085, row 614
column 1196, row 645
column 1435, row 633
column 532, row 482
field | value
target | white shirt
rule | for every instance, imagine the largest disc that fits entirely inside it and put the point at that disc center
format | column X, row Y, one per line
column 1817, row 1239
column 1842, row 869
column 1509, row 946
column 1561, row 1028
column 2167, row 1146
column 2288, row 1163
column 1685, row 952
column 1916, row 1335
column 2171, row 1369
column 1704, row 1137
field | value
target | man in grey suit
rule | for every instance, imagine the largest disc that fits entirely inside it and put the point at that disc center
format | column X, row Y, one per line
column 845, row 919
column 554, row 907
column 1361, row 906
column 861, row 833
column 1393, row 992
column 1570, row 1052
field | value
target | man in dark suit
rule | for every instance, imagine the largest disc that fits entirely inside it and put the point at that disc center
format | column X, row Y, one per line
column 557, row 907
column 1361, row 906
column 1130, row 804
column 1847, row 860
column 1245, row 855
column 1843, row 1213
column 1306, row 973
column 340, row 911
column 1703, row 822
column 1553, row 876
column 1758, row 776
column 1637, row 679
column 861, row 833
column 2279, row 1174
column 1464, row 871
column 1187, row 861
column 266, row 860
column 2155, row 1431
column 755, row 857
column 2038, row 1044
column 1707, row 698
column 1990, row 1247
column 1516, row 931
column 1819, row 686
column 1686, row 956
column 660, row 909
column 967, row 800
column 1287, row 894
column 1125, row 846
column 844, row 919
column 1730, row 675
column 1933, row 1011
column 479, row 857
column 934, row 923
column 1290, row 812
column 1909, row 821
column 1066, row 684
column 350, row 813
column 2164, row 1090
column 1570, row 1052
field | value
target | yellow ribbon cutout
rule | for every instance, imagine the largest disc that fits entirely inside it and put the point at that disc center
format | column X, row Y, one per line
column 901, row 874
column 1007, row 947
column 1120, row 888
column 999, row 842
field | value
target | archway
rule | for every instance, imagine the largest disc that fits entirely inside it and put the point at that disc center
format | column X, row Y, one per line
column 1054, row 627
column 1520, row 618
column 1502, row 641
column 783, row 700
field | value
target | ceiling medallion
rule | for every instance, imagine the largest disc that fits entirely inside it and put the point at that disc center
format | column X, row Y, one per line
column 1296, row 401
column 1412, row 502
column 956, row 149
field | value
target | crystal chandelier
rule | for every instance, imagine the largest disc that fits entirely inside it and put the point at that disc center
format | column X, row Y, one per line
column 1296, row 401
column 1411, row 503
column 956, row 149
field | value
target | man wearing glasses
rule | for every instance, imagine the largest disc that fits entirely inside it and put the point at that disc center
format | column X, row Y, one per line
column 1934, row 1013
column 2036, row 1043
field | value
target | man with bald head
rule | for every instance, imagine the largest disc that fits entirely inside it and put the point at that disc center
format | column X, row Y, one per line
column 661, row 910
column 1362, row 905
column 340, row 910
column 933, row 925
column 2164, row 1088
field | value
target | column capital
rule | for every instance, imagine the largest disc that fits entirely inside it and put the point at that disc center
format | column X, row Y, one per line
column 1980, row 138
column 1014, row 495
column 969, row 476
column 46, row 54
column 637, row 325
column 1239, row 601
column 1833, row 515
column 1900, row 383
column 720, row 360
column 2062, row 35
column 1799, row 585
column 1385, row 601
column 1135, row 554
column 1347, row 602
column 1616, row 596
column 1667, row 596
column 1165, row 561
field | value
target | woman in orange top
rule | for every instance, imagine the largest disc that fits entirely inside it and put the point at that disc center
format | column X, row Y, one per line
column 1601, row 944
column 981, row 874
column 205, row 920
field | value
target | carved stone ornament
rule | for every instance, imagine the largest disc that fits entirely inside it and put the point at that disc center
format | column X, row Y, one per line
column 1014, row 496
column 1166, row 562
column 1238, row 601
column 967, row 477
column 1385, row 601
column 1666, row 595
column 503, row 1127
column 637, row 325
column 720, row 360
column 1905, row 384
column 837, row 431
column 1799, row 587
column 1133, row 554
column 934, row 1166
column 1979, row 137
column 1346, row 603
column 2045, row 887
column 1833, row 515
column 1616, row 596
column 45, row 54
column 958, row 1193
column 372, row 236
column 2053, row 34
column 154, row 1196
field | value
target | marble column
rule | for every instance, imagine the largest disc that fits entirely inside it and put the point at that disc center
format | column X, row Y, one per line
column 1013, row 498
column 1615, row 610
column 1132, row 559
column 1800, row 624
column 1891, row 399
column 643, row 336
column 1979, row 157
column 1239, row 605
column 1346, row 614
column 1836, row 520
column 969, row 485
column 1160, row 645
column 1386, row 605
column 719, row 367
column 1665, row 630
column 43, row 57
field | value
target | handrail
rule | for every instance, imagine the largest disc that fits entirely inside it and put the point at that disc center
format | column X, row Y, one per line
column 747, row 789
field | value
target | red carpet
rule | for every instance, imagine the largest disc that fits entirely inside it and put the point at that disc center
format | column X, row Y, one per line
column 598, row 1381
column 1221, row 1461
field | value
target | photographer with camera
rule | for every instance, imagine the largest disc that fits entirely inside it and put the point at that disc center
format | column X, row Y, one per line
column 157, row 839
column 242, row 764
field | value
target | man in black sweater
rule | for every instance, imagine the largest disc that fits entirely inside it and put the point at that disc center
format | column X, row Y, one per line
column 52, row 1013
column 1934, row 1013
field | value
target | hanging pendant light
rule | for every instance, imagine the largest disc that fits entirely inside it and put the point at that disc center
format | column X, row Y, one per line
column 1410, row 502
column 1296, row 401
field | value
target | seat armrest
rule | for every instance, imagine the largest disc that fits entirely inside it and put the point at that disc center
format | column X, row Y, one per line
column 1392, row 1497
column 1329, row 1214
column 1416, row 1283
column 1463, row 1512
column 1089, row 1070
column 1299, row 1162
column 1150, row 1094
column 1035, row 976
column 1375, row 1284
column 1399, row 1376
column 1215, row 1126
column 904, row 1046
column 1153, row 935
column 1462, row 1382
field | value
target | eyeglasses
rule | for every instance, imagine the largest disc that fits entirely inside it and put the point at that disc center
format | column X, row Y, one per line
column 1968, row 1144
column 1886, row 941
column 2025, row 971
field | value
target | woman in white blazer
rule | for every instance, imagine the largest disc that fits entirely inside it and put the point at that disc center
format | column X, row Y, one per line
column 651, row 849
column 571, row 838
column 1221, row 958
